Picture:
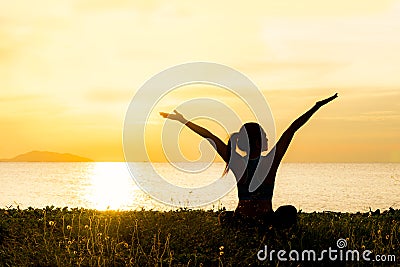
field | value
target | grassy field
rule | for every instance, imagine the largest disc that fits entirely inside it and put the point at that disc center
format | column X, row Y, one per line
column 80, row 237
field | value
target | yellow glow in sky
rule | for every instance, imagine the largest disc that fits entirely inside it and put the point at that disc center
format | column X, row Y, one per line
column 69, row 68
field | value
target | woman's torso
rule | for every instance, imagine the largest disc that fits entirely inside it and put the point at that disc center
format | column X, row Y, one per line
column 255, row 181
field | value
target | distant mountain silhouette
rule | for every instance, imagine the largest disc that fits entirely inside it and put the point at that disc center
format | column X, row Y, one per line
column 46, row 156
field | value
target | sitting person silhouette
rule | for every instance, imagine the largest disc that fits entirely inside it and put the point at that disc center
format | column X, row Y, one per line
column 255, row 205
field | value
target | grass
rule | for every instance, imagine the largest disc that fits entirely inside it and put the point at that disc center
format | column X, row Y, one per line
column 81, row 237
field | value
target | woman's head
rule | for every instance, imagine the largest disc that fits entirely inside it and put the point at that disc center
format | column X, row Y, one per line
column 252, row 139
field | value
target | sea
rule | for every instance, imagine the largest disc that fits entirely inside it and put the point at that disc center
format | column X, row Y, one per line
column 342, row 187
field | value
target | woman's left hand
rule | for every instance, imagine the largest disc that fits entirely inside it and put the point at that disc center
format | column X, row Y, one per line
column 327, row 100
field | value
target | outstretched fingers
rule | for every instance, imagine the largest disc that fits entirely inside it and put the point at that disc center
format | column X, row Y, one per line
column 164, row 114
column 173, row 116
column 327, row 100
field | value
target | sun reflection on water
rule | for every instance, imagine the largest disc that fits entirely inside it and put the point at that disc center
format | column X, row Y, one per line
column 110, row 186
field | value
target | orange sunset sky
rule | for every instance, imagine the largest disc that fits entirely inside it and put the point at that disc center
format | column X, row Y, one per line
column 69, row 69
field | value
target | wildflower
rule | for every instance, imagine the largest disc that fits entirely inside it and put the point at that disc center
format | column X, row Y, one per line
column 51, row 223
column 387, row 237
column 221, row 253
column 379, row 231
column 126, row 245
column 69, row 227
column 347, row 239
column 221, row 248
column 363, row 247
column 99, row 234
column 86, row 226
column 69, row 242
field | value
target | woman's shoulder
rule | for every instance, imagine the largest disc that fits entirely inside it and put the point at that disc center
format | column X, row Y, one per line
column 235, row 158
column 269, row 155
column 237, row 163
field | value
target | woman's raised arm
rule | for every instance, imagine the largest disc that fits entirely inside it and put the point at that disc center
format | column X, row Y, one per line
column 287, row 136
column 217, row 143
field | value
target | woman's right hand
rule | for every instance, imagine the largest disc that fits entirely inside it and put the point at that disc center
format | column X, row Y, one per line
column 176, row 116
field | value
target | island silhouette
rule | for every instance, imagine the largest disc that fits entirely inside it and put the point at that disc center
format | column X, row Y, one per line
column 46, row 156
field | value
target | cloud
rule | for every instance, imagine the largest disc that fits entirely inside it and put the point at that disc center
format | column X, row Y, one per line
column 18, row 98
column 255, row 8
column 27, row 108
column 106, row 5
column 370, row 118
column 354, row 50
column 110, row 95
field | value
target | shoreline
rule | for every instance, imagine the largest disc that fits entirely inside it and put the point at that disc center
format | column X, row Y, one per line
column 215, row 208
column 7, row 210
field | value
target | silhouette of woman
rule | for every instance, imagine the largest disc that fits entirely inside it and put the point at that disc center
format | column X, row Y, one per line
column 255, row 206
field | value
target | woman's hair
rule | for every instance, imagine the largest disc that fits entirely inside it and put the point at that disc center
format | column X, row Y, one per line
column 250, row 138
column 231, row 146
